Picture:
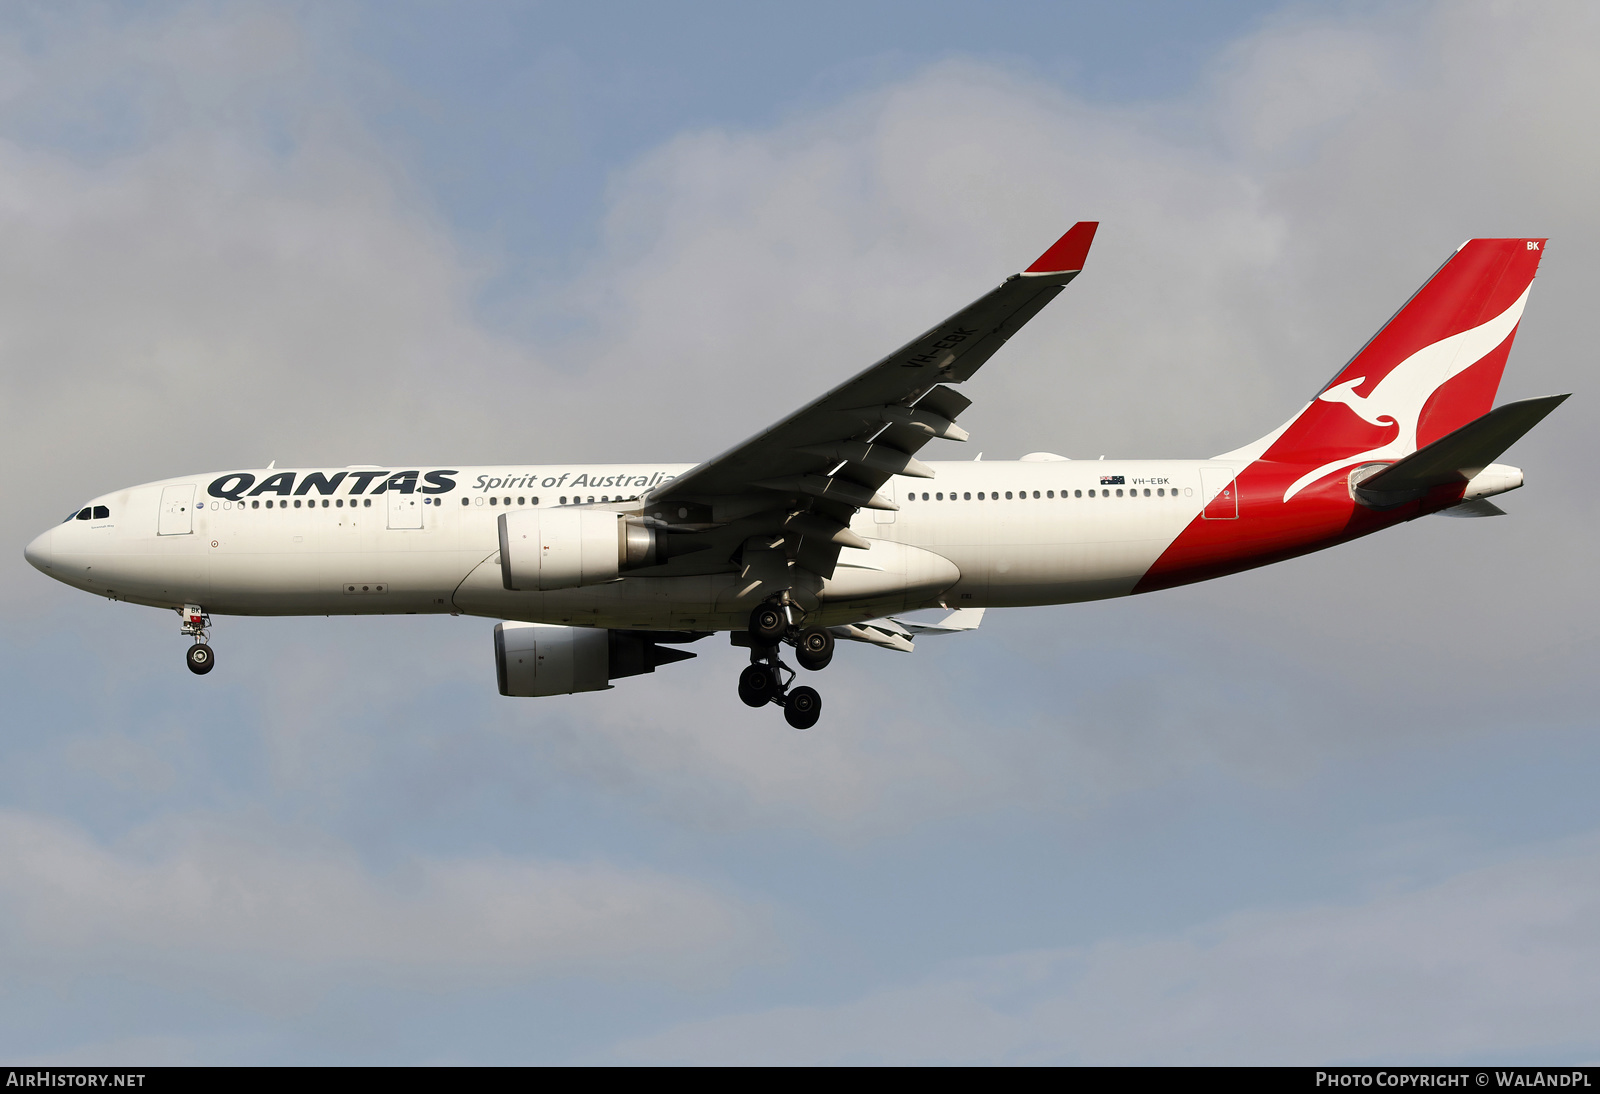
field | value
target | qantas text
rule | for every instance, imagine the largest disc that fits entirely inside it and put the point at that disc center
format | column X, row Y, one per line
column 240, row 484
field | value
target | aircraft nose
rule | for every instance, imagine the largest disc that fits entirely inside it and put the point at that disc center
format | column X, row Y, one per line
column 41, row 552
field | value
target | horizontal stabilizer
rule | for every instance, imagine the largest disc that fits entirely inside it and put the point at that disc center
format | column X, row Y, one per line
column 1476, row 507
column 1455, row 457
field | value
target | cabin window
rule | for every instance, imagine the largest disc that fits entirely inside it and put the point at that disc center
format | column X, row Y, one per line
column 494, row 501
column 1036, row 493
column 1049, row 493
column 563, row 499
column 938, row 497
column 1147, row 492
column 966, row 497
column 1008, row 495
column 534, row 501
column 522, row 501
column 505, row 501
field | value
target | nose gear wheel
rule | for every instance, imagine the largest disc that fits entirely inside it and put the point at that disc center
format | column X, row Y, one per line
column 200, row 659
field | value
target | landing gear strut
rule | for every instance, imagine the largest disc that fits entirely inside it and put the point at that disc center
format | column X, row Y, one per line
column 768, row 679
column 199, row 657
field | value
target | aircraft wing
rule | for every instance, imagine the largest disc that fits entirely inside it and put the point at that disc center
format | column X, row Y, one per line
column 804, row 478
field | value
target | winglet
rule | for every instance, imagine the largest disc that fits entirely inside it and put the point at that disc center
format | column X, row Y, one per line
column 1068, row 253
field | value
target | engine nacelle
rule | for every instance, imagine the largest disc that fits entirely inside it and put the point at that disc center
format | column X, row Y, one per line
column 544, row 549
column 543, row 659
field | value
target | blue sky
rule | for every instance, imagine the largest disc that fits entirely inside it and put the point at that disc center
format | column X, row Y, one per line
column 1336, row 810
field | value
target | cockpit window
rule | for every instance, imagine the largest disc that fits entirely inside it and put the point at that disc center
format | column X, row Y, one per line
column 89, row 512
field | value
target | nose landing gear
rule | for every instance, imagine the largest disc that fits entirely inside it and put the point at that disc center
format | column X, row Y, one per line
column 199, row 657
column 768, row 679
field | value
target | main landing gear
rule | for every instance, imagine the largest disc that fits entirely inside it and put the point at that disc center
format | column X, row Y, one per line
column 199, row 657
column 768, row 679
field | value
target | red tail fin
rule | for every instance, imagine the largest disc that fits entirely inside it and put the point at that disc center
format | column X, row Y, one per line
column 1432, row 368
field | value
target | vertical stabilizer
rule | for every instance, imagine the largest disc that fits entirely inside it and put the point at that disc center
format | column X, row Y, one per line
column 1433, row 368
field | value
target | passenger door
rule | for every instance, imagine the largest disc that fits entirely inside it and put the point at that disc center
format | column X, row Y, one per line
column 1216, row 483
column 885, row 516
column 177, row 511
column 405, row 510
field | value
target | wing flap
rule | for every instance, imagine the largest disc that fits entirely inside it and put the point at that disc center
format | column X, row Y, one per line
column 900, row 635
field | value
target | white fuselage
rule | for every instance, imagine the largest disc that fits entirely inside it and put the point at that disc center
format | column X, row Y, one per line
column 1043, row 532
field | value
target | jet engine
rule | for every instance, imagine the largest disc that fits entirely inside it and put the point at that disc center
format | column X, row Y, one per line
column 544, row 549
column 542, row 659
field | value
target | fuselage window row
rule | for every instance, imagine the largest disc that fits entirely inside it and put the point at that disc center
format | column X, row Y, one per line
column 101, row 512
column 1023, row 495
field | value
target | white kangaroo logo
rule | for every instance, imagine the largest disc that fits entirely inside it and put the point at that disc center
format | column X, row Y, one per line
column 1399, row 397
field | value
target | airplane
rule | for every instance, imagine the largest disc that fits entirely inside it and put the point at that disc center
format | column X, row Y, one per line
column 827, row 526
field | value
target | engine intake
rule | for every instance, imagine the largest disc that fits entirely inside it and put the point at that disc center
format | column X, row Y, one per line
column 543, row 659
column 545, row 549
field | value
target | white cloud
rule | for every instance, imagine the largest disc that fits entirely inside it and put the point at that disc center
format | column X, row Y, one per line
column 241, row 908
column 1497, row 962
